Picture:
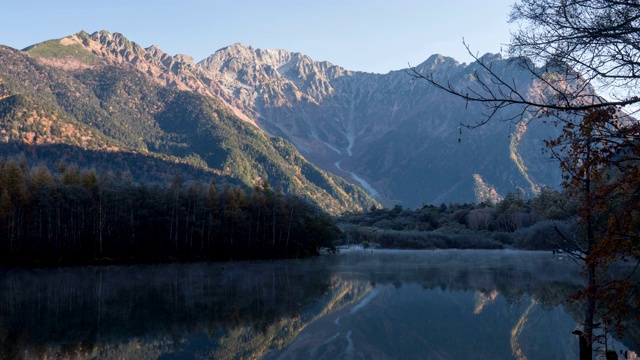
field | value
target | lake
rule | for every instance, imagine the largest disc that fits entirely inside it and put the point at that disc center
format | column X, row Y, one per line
column 443, row 304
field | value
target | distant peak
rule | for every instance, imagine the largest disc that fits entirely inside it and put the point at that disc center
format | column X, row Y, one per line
column 102, row 33
column 437, row 60
column 114, row 40
column 237, row 46
column 490, row 57
column 154, row 48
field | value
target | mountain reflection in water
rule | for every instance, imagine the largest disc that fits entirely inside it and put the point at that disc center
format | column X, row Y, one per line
column 356, row 305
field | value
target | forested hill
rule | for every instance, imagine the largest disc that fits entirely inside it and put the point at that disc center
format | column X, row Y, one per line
column 75, row 216
column 64, row 103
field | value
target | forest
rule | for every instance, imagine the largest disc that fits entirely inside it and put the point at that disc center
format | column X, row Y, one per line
column 70, row 215
column 78, row 216
column 513, row 222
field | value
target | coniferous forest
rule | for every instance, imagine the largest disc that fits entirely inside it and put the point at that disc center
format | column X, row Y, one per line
column 73, row 216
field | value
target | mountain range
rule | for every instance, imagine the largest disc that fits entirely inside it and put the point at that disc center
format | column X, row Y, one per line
column 244, row 115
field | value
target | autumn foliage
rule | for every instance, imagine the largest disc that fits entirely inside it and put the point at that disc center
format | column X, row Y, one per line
column 599, row 156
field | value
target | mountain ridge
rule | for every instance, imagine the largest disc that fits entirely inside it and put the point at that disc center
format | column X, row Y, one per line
column 117, row 109
column 392, row 135
column 357, row 114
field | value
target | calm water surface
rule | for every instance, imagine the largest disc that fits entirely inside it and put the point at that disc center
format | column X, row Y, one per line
column 356, row 305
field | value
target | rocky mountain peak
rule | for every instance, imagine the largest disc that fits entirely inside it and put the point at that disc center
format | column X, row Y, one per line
column 437, row 62
column 155, row 50
column 116, row 41
column 185, row 59
column 379, row 130
column 108, row 48
column 175, row 64
column 489, row 57
column 238, row 56
column 275, row 75
column 112, row 47
column 399, row 138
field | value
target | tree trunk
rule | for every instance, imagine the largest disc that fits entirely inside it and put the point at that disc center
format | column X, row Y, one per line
column 591, row 270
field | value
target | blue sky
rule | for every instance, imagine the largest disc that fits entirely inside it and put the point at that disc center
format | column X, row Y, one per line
column 366, row 35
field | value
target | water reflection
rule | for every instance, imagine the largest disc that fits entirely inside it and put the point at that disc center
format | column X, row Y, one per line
column 380, row 305
column 448, row 305
column 146, row 311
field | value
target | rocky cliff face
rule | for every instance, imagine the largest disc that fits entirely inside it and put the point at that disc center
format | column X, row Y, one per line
column 177, row 72
column 399, row 139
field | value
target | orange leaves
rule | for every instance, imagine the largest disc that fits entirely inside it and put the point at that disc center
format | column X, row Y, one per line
column 600, row 159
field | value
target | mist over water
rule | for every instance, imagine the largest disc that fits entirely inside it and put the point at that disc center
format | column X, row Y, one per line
column 359, row 304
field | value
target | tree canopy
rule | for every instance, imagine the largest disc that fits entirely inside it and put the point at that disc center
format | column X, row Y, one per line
column 76, row 216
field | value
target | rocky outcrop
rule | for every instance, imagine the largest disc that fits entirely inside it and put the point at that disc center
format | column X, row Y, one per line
column 178, row 72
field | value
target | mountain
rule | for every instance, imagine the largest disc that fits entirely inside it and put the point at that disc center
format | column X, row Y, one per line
column 102, row 101
column 399, row 139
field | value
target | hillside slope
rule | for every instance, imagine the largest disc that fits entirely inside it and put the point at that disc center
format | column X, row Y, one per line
column 399, row 139
column 61, row 101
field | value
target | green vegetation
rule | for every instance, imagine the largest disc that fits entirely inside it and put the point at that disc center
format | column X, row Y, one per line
column 514, row 222
column 54, row 49
column 119, row 111
column 80, row 216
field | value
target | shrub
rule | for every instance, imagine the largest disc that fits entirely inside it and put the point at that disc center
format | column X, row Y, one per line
column 543, row 235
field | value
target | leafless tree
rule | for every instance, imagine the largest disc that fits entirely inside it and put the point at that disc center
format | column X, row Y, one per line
column 569, row 49
column 480, row 219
